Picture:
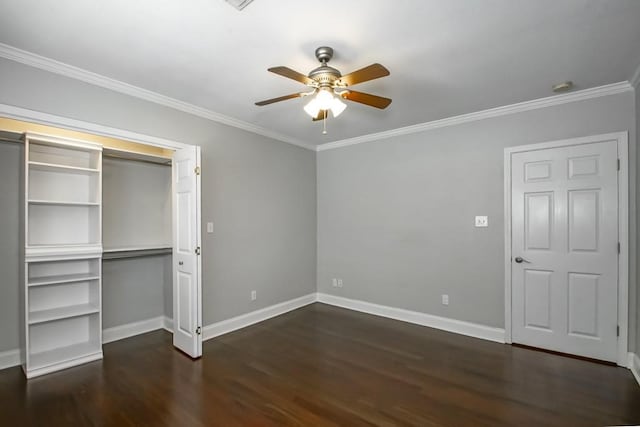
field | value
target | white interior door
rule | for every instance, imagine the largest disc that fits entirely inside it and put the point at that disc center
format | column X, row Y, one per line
column 187, row 289
column 565, row 249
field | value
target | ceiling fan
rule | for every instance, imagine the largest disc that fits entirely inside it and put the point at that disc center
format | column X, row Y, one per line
column 326, row 82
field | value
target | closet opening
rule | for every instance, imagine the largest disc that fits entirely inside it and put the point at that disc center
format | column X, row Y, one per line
column 110, row 243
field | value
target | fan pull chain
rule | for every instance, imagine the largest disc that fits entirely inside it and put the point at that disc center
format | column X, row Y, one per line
column 324, row 123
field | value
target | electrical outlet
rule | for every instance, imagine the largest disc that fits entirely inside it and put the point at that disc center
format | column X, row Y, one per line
column 254, row 295
column 445, row 299
column 334, row 282
column 209, row 227
column 482, row 221
column 339, row 283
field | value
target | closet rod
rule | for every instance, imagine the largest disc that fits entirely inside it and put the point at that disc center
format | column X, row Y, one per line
column 161, row 161
column 135, row 253
column 10, row 140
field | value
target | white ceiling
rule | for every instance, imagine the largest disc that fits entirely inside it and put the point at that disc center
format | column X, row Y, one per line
column 446, row 57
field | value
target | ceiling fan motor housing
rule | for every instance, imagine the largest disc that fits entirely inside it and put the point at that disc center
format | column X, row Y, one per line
column 324, row 75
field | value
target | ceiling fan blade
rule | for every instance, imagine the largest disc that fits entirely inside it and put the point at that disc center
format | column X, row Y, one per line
column 321, row 115
column 281, row 98
column 366, row 98
column 292, row 74
column 373, row 71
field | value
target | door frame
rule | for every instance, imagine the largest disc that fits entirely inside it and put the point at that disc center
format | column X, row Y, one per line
column 18, row 113
column 622, row 139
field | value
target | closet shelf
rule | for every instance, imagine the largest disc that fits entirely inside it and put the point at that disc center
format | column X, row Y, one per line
column 42, row 316
column 53, row 167
column 51, row 357
column 55, row 249
column 61, row 203
column 136, row 251
column 64, row 278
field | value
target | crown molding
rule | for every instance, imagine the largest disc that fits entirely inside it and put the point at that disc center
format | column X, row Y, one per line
column 635, row 79
column 535, row 104
column 70, row 71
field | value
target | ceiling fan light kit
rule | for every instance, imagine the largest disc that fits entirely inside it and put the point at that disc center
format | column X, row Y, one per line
column 330, row 87
column 324, row 100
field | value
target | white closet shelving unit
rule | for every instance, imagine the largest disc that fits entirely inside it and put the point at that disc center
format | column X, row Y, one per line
column 62, row 253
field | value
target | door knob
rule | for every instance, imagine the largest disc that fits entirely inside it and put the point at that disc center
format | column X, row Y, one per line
column 519, row 260
column 180, row 263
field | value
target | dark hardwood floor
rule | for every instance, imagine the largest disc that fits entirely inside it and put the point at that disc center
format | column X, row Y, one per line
column 322, row 365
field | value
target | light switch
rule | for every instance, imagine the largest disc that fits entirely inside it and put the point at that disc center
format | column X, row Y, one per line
column 209, row 227
column 482, row 221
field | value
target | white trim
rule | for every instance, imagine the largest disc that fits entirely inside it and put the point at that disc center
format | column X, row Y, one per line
column 248, row 319
column 18, row 113
column 167, row 324
column 57, row 67
column 507, row 247
column 450, row 325
column 622, row 139
column 10, row 358
column 635, row 79
column 132, row 329
column 70, row 71
column 535, row 104
column 634, row 366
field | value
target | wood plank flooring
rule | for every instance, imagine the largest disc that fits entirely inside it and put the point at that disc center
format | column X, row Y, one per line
column 324, row 366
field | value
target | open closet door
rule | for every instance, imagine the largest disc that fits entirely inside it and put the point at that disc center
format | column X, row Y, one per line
column 187, row 288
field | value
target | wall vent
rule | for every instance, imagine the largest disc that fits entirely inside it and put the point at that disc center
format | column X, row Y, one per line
column 239, row 4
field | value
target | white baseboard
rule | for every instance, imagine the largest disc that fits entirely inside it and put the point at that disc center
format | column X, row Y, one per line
column 450, row 325
column 244, row 320
column 634, row 365
column 131, row 329
column 10, row 358
column 167, row 324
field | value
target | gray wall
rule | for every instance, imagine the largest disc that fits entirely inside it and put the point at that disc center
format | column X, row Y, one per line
column 10, row 154
column 637, row 236
column 395, row 217
column 136, row 203
column 133, row 289
column 260, row 193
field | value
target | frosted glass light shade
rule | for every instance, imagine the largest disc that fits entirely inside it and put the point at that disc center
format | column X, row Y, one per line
column 312, row 108
column 324, row 100
column 337, row 107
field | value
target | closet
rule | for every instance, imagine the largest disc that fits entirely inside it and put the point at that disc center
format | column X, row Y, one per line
column 97, row 247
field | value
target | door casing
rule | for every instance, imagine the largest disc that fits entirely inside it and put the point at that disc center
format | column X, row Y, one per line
column 622, row 139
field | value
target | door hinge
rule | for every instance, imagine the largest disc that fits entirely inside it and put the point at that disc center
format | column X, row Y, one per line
column 618, row 330
column 199, row 330
column 618, row 164
column 198, row 250
column 197, row 170
column 618, row 247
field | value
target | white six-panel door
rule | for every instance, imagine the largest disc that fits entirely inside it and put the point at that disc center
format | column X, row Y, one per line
column 564, row 208
column 187, row 313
